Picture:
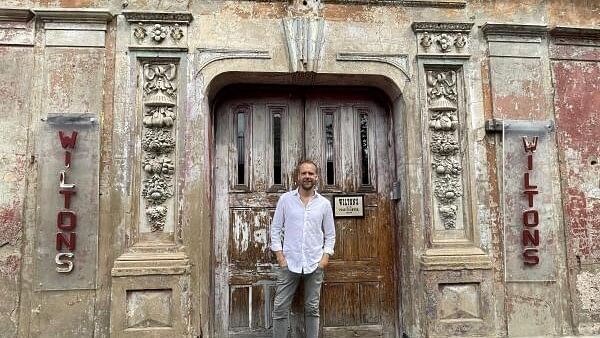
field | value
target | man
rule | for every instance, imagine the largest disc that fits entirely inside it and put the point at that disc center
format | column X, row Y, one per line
column 306, row 220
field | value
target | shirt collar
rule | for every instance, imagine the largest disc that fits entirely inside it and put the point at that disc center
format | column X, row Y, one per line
column 297, row 193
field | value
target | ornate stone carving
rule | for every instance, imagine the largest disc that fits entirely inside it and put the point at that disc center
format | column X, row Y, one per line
column 159, row 87
column 426, row 40
column 160, row 29
column 446, row 166
column 176, row 32
column 303, row 30
column 445, row 42
column 139, row 32
column 441, row 91
column 159, row 98
column 442, row 37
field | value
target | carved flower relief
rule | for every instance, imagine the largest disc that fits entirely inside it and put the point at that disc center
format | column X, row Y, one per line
column 157, row 117
column 443, row 120
column 156, row 189
column 426, row 40
column 139, row 32
column 158, row 141
column 158, row 32
column 157, row 216
column 158, row 166
column 445, row 42
column 441, row 84
column 160, row 78
column 448, row 215
column 176, row 32
column 446, row 166
column 444, row 143
column 460, row 41
column 447, row 189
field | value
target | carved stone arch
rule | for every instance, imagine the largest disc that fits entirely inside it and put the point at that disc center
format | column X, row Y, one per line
column 214, row 69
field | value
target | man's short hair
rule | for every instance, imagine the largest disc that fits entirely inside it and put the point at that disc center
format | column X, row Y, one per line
column 306, row 161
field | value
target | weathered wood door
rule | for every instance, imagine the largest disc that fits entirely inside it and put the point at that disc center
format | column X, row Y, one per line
column 260, row 136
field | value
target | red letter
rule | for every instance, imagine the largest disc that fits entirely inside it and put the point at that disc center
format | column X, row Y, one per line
column 530, row 162
column 530, row 146
column 528, row 239
column 530, row 194
column 60, row 240
column 72, row 220
column 66, row 141
column 67, row 194
column 527, row 184
column 530, row 257
column 536, row 218
column 67, row 159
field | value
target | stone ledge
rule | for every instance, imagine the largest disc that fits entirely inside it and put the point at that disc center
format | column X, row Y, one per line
column 455, row 259
column 141, row 264
column 73, row 14
column 158, row 16
column 575, row 32
column 15, row 14
column 443, row 27
column 491, row 28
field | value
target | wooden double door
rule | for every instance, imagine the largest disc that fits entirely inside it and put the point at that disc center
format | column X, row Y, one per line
column 260, row 136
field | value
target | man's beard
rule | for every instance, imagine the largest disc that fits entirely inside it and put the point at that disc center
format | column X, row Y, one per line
column 307, row 185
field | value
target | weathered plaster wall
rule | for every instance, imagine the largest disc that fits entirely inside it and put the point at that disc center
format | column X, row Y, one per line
column 75, row 79
column 576, row 76
column 17, row 72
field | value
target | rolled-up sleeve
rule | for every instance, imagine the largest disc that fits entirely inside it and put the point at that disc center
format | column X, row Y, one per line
column 328, row 230
column 277, row 227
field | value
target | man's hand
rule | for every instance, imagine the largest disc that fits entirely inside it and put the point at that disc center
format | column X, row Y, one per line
column 324, row 261
column 281, row 259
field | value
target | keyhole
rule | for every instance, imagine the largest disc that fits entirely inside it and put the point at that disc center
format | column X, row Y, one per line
column 304, row 3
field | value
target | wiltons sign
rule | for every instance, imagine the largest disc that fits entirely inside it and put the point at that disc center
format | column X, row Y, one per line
column 68, row 197
column 66, row 220
column 531, row 217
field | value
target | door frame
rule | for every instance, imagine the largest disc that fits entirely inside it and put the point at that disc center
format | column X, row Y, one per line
column 379, row 96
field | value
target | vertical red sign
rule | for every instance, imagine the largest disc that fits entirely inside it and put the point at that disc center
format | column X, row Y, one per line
column 66, row 219
column 530, row 235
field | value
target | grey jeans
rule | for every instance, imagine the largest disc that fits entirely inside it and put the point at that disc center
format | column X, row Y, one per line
column 287, row 283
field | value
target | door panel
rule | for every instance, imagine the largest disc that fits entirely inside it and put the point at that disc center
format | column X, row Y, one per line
column 260, row 137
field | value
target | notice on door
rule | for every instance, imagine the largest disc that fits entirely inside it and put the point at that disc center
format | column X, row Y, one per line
column 68, row 202
column 348, row 206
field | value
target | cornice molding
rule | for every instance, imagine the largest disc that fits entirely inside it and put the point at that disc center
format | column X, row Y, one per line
column 444, row 27
column 15, row 14
column 207, row 56
column 399, row 61
column 160, row 16
column 575, row 32
column 73, row 14
column 491, row 28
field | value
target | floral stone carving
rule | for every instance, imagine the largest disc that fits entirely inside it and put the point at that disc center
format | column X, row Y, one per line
column 446, row 42
column 158, row 32
column 446, row 166
column 158, row 142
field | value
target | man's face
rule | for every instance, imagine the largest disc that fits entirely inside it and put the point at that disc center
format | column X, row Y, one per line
column 307, row 176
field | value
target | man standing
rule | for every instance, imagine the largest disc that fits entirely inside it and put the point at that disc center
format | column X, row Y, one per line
column 305, row 220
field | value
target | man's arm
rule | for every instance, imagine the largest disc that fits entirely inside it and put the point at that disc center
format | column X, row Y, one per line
column 328, row 235
column 276, row 229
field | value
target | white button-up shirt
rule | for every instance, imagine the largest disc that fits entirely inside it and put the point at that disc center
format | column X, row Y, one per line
column 308, row 231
